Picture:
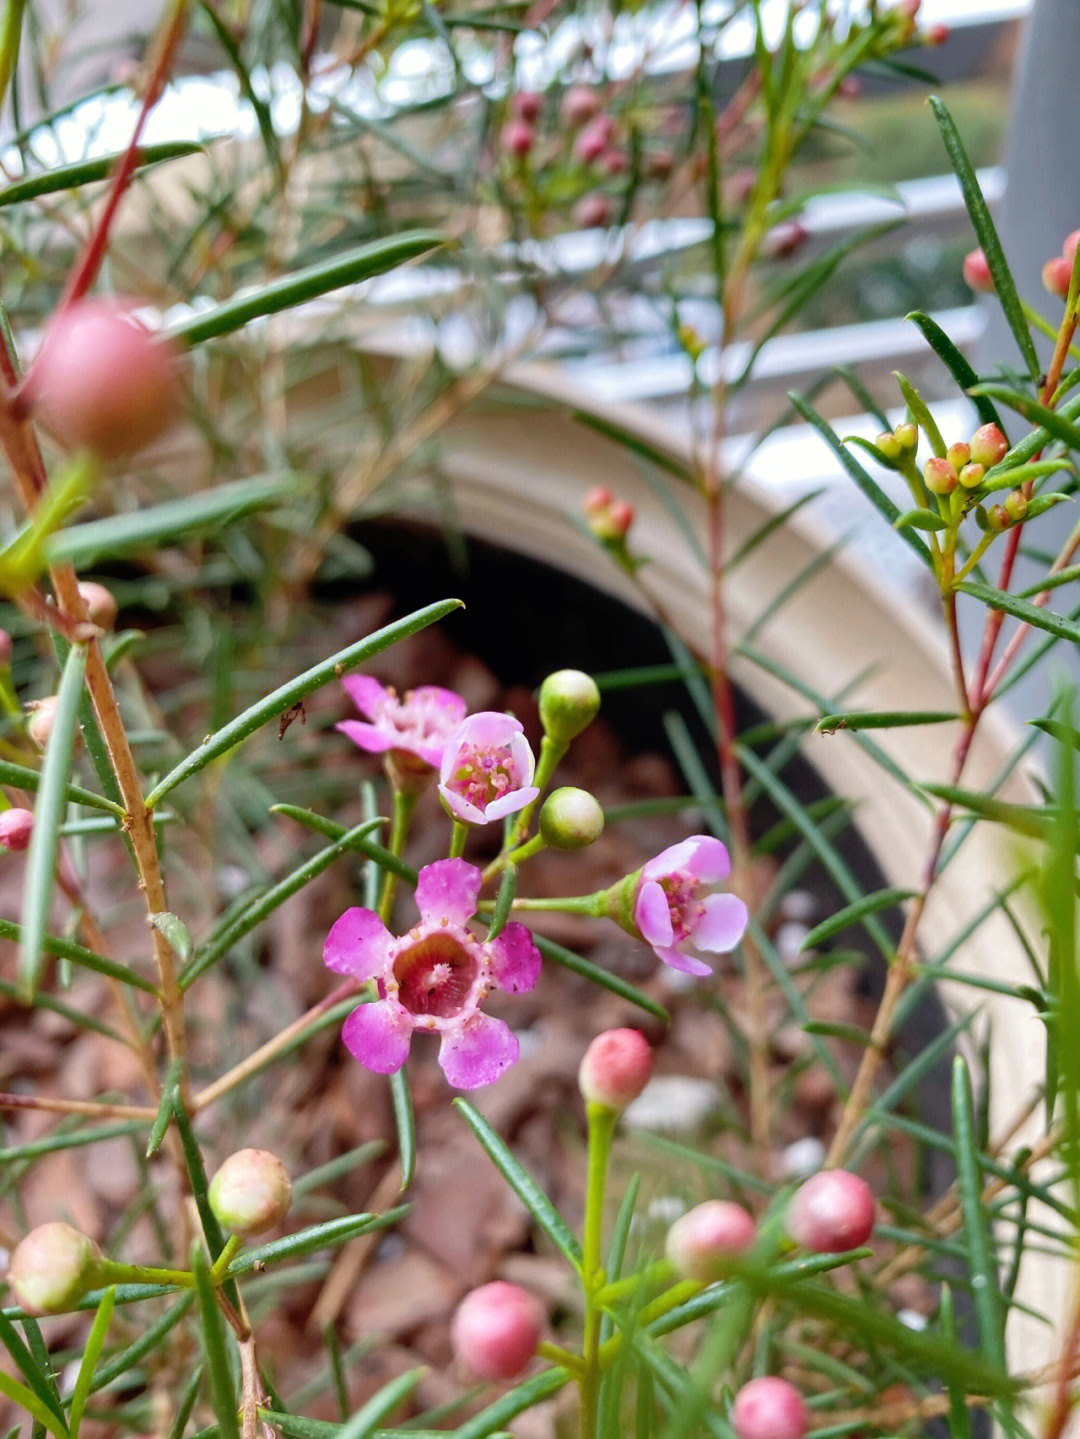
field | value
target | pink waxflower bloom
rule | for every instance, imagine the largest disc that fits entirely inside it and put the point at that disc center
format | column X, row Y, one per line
column 414, row 729
column 434, row 978
column 487, row 769
column 668, row 914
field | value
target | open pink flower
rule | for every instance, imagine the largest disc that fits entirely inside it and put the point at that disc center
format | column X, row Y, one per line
column 668, row 914
column 487, row 769
column 415, row 728
column 434, row 978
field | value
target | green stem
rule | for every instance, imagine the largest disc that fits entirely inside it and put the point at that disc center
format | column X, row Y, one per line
column 10, row 33
column 974, row 558
column 225, row 1258
column 660, row 1272
column 404, row 804
column 591, row 904
column 551, row 752
column 458, row 836
column 111, row 1271
column 602, row 1121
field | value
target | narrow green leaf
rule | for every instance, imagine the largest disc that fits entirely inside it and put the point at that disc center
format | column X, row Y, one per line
column 546, row 1216
column 36, row 1343
column 315, row 1238
column 215, row 1239
column 1062, row 732
column 95, row 1342
column 986, row 1296
column 983, row 225
column 1052, row 421
column 293, row 691
column 307, row 284
column 143, row 531
column 853, row 913
column 76, row 954
column 959, row 1415
column 920, row 413
column 1031, row 614
column 596, row 975
column 85, row 172
column 370, row 1415
column 215, row 1345
column 48, row 812
column 920, row 519
column 505, row 898
column 525, row 1396
column 169, row 1090
column 186, row 1404
column 376, row 852
column 20, row 777
column 39, row 1412
column 1024, row 818
column 146, row 1343
column 175, row 931
column 660, row 459
column 405, row 1124
column 38, row 1379
column 882, row 719
column 956, row 364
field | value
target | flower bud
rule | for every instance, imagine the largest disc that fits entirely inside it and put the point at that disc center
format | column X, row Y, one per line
column 940, row 476
column 889, row 446
column 958, row 455
column 701, row 1240
column 580, row 104
column 1016, row 506
column 616, row 1068
column 251, row 1191
column 594, row 140
column 100, row 603
column 518, row 139
column 614, row 162
column 972, row 476
column 16, row 827
column 785, row 240
column 936, row 35
column 988, row 446
column 52, row 1268
column 42, row 717
column 569, row 700
column 570, row 819
column 102, row 381
column 1057, row 275
column 528, row 106
column 769, row 1408
column 5, row 648
column 496, row 1329
column 907, row 435
column 594, row 212
column 832, row 1212
column 977, row 274
column 1072, row 241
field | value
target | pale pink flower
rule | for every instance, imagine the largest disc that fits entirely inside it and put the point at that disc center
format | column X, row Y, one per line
column 487, row 769
column 670, row 916
column 415, row 728
column 434, row 978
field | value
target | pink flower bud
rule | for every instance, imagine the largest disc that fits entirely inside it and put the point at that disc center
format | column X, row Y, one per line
column 940, row 476
column 1056, row 275
column 850, row 87
column 701, row 1240
column 102, row 381
column 594, row 140
column 518, row 139
column 958, row 455
column 977, row 274
column 5, row 648
column 100, row 603
column 785, row 240
column 16, row 827
column 496, row 1329
column 593, row 212
column 1072, row 240
column 832, row 1212
column 568, row 703
column 52, row 1268
column 580, row 104
column 988, row 446
column 937, row 34
column 528, row 106
column 570, row 819
column 769, row 1408
column 614, row 162
column 251, row 1191
column 42, row 717
column 616, row 1068
column 909, row 9
column 609, row 518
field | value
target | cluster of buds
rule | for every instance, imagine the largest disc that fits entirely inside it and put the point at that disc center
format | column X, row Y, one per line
column 608, row 518
column 894, row 447
column 904, row 15
column 1057, row 272
column 965, row 463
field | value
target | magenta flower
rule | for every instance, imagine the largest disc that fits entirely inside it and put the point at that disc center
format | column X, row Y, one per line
column 415, row 728
column 487, row 769
column 668, row 914
column 434, row 978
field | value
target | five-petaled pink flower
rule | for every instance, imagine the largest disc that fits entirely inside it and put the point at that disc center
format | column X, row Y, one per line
column 415, row 729
column 668, row 914
column 487, row 769
column 434, row 978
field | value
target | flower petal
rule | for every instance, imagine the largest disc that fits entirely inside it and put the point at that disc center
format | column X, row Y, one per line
column 357, row 944
column 510, row 803
column 448, row 889
column 652, row 915
column 378, row 1035
column 366, row 693
column 514, row 959
column 450, row 705
column 670, row 860
column 459, row 807
column 722, row 924
column 709, row 862
column 477, row 1052
column 524, row 761
column 369, row 737
column 686, row 963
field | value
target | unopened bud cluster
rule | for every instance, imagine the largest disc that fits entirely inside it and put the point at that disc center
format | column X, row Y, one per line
column 608, row 518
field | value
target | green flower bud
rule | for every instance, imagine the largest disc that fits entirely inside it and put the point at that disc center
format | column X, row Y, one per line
column 972, row 476
column 1016, row 506
column 570, row 819
column 251, row 1191
column 958, row 455
column 569, row 700
column 890, row 447
column 907, row 435
column 52, row 1268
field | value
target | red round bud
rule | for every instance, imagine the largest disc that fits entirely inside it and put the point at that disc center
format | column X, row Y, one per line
column 614, row 162
column 496, row 1329
column 988, row 446
column 52, row 1268
column 1057, row 275
column 594, row 212
column 518, row 139
column 580, row 104
column 100, row 603
column 936, row 34
column 701, row 1240
column 251, row 1191
column 42, row 717
column 977, row 274
column 616, row 1068
column 784, row 240
column 528, row 106
column 102, row 381
column 1072, row 240
column 769, row 1408
column 832, row 1212
column 939, row 475
column 16, row 827
column 620, row 519
column 660, row 164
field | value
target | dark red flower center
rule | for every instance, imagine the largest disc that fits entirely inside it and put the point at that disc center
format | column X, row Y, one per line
column 435, row 976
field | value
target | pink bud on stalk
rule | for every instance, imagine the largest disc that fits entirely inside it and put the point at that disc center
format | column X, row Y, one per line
column 940, row 476
column 785, row 240
column 988, row 446
column 608, row 518
column 580, row 104
column 496, row 1329
column 100, row 603
column 16, row 827
column 42, row 717
column 52, row 1268
column 5, row 648
column 1057, row 275
column 701, row 1240
column 528, row 106
column 769, row 1408
column 977, row 274
column 832, row 1212
column 616, row 1068
column 102, row 381
column 594, row 140
column 518, row 139
column 251, row 1191
column 594, row 212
